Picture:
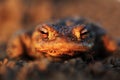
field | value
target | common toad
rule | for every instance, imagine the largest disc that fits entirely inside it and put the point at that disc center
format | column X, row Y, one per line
column 64, row 39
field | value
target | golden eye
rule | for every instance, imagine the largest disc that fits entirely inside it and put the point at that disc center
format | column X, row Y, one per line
column 77, row 31
column 43, row 31
column 84, row 33
column 46, row 32
column 81, row 32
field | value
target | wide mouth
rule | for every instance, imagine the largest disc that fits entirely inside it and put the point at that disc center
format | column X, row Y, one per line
column 63, row 48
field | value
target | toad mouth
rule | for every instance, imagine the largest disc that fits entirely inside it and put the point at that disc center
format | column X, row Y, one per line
column 57, row 49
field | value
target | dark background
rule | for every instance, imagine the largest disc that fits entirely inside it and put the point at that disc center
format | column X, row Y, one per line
column 18, row 14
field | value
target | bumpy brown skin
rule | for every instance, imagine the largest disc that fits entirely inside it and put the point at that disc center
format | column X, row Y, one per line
column 63, row 39
column 20, row 45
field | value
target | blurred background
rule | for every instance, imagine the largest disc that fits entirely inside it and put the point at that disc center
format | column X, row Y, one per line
column 19, row 14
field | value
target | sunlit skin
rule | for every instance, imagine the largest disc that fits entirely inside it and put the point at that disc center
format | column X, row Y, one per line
column 57, row 43
column 19, row 45
column 67, row 38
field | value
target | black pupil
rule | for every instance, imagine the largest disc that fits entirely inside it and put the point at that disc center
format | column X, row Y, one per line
column 44, row 33
column 84, row 34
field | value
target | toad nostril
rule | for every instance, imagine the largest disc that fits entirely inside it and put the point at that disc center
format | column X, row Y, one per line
column 52, row 51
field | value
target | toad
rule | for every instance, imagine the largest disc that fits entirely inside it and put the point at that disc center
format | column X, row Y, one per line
column 64, row 39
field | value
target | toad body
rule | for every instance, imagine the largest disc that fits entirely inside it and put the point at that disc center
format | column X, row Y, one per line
column 64, row 39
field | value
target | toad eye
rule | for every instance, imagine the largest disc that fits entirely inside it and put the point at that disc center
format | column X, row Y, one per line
column 84, row 33
column 43, row 32
column 81, row 32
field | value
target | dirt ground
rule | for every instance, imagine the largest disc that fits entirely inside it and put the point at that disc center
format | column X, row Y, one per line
column 73, row 69
column 24, row 14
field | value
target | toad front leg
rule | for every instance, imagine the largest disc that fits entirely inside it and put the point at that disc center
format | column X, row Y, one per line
column 104, row 44
column 19, row 46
